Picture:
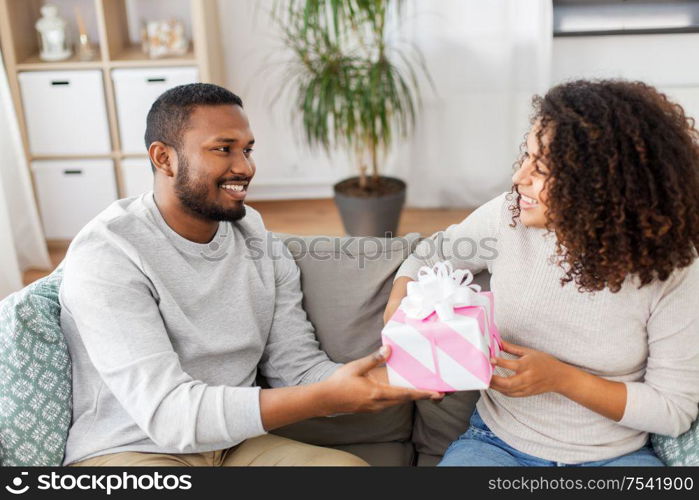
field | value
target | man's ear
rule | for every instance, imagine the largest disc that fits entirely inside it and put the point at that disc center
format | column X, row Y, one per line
column 163, row 158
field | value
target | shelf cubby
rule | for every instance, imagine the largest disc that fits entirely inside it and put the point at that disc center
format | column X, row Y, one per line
column 113, row 27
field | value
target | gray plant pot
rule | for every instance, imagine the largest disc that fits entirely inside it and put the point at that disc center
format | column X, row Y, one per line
column 370, row 216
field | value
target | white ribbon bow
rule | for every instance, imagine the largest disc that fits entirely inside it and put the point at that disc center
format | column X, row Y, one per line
column 441, row 289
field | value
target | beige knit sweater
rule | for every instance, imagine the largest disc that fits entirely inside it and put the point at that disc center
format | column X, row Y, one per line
column 647, row 338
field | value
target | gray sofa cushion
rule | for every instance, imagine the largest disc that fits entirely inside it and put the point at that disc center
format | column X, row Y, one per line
column 396, row 454
column 425, row 460
column 346, row 282
column 438, row 424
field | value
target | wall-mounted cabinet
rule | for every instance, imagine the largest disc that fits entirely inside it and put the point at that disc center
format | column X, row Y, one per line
column 74, row 109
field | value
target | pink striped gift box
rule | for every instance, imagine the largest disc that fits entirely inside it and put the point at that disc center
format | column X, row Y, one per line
column 443, row 355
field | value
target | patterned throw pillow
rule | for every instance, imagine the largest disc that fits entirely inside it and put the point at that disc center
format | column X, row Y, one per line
column 35, row 377
column 682, row 450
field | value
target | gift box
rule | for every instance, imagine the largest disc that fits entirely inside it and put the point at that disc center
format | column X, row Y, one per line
column 443, row 334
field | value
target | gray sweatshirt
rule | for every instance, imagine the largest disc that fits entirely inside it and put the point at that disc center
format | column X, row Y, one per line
column 647, row 338
column 166, row 335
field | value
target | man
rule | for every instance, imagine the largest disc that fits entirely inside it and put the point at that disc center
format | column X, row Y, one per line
column 168, row 315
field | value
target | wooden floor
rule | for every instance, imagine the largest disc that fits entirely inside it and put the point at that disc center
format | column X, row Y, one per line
column 310, row 217
column 305, row 217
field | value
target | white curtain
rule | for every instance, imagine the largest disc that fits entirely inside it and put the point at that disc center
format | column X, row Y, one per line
column 487, row 59
column 10, row 276
column 22, row 243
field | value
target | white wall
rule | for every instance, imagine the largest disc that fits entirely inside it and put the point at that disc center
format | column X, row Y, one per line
column 668, row 62
column 254, row 59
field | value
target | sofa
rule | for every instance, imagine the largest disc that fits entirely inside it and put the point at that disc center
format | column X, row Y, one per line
column 345, row 282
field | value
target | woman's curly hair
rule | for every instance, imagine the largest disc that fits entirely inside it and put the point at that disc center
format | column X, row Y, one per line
column 623, row 183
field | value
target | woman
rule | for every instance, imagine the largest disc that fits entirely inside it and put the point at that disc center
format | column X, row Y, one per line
column 595, row 279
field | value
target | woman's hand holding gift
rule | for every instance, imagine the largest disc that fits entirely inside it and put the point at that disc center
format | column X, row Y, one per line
column 537, row 373
column 399, row 290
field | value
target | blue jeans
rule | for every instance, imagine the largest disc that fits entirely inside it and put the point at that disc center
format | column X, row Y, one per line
column 479, row 446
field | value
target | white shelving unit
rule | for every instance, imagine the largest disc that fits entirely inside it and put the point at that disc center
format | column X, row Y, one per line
column 110, row 24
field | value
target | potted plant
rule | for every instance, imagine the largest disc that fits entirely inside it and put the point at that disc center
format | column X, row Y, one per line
column 356, row 89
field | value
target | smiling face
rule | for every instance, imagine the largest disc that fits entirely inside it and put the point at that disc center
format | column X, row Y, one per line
column 530, row 181
column 214, row 163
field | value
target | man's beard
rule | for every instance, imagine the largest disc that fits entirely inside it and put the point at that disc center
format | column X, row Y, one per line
column 194, row 196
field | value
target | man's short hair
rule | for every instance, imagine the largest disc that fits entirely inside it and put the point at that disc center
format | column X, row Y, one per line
column 169, row 114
